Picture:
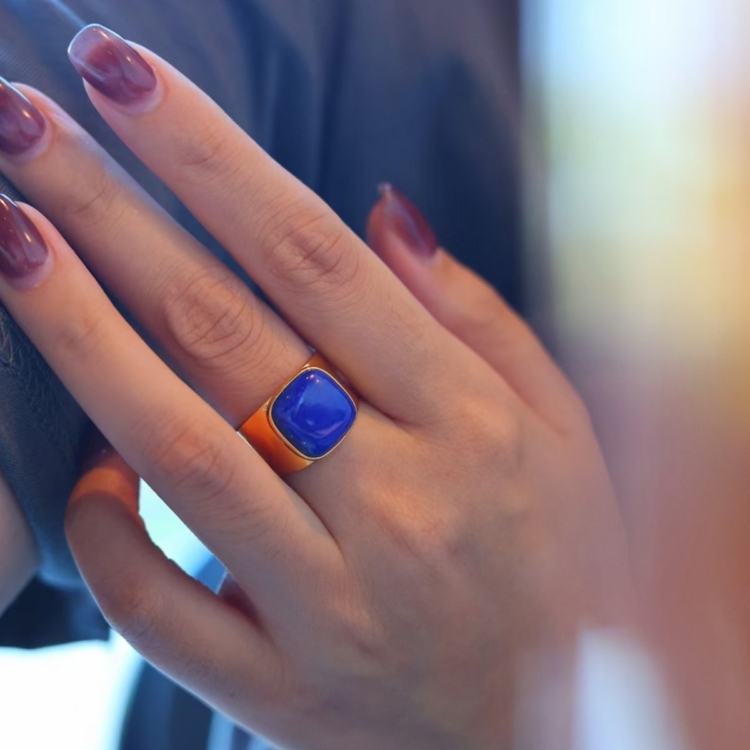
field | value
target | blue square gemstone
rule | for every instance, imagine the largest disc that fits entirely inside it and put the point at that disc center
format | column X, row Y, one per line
column 313, row 413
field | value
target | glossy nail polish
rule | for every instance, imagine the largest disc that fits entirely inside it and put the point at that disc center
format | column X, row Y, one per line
column 406, row 221
column 21, row 123
column 111, row 65
column 22, row 248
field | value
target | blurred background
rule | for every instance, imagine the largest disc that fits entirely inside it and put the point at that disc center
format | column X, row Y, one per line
column 638, row 199
column 85, row 688
column 639, row 116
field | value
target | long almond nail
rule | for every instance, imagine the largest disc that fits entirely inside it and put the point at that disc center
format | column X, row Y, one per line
column 22, row 247
column 21, row 123
column 111, row 65
column 406, row 221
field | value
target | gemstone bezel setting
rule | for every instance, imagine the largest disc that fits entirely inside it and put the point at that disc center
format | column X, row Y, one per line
column 285, row 432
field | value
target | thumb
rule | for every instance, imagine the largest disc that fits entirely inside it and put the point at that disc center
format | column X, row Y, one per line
column 468, row 306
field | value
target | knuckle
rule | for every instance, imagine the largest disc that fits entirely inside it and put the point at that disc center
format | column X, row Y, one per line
column 130, row 606
column 308, row 245
column 494, row 437
column 210, row 318
column 488, row 319
column 205, row 152
column 189, row 459
column 503, row 440
column 435, row 538
column 79, row 338
column 483, row 308
column 92, row 195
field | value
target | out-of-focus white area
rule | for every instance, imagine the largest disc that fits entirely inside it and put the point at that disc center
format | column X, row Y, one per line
column 67, row 697
column 628, row 93
column 622, row 699
column 74, row 697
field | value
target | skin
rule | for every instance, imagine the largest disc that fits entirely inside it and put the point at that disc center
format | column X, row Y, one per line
column 395, row 593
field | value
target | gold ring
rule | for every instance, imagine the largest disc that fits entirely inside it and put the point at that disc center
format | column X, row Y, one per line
column 305, row 420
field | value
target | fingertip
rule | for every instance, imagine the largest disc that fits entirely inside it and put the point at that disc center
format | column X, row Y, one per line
column 400, row 235
column 104, row 533
column 105, row 479
column 93, row 517
column 113, row 67
column 25, row 256
column 24, row 131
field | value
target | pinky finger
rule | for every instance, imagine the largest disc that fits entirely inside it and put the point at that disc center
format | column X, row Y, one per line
column 182, row 628
column 469, row 308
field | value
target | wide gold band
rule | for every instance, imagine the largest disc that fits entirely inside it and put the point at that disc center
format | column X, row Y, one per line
column 260, row 431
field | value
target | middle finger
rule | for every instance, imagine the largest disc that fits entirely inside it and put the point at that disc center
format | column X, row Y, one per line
column 325, row 280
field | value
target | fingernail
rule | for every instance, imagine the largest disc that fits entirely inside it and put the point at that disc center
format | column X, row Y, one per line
column 21, row 123
column 406, row 221
column 22, row 248
column 111, row 65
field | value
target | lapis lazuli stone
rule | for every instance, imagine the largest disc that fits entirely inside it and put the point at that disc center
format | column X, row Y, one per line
column 313, row 413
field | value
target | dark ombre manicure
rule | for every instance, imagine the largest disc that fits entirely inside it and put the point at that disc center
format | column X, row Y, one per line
column 111, row 65
column 22, row 248
column 406, row 221
column 21, row 123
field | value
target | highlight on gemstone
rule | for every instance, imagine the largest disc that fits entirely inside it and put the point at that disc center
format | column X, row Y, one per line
column 313, row 413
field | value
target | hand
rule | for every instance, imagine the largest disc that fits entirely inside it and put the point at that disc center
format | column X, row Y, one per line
column 392, row 594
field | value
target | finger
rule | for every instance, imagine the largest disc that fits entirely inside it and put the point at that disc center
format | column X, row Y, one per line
column 468, row 306
column 229, row 345
column 105, row 472
column 178, row 625
column 270, row 539
column 340, row 297
column 224, row 341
